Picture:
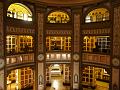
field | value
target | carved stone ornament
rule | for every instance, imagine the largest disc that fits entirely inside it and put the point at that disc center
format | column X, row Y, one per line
column 116, row 62
column 1, row 63
column 40, row 57
column 76, row 57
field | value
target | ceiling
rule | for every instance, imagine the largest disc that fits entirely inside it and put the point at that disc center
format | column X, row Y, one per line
column 67, row 2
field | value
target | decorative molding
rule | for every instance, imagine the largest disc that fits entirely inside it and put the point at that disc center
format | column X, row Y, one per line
column 20, row 59
column 116, row 29
column 96, row 58
column 40, row 31
column 41, row 57
column 59, row 32
column 76, row 57
column 115, row 62
column 14, row 30
column 76, row 32
column 96, row 31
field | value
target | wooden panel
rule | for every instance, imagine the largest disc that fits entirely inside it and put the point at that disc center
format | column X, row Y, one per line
column 96, row 58
column 96, row 25
column 116, row 47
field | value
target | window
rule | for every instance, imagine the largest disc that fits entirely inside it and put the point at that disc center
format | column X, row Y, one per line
column 96, row 44
column 58, row 43
column 19, row 11
column 97, row 15
column 58, row 17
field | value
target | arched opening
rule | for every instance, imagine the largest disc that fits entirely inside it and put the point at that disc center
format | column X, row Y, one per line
column 20, row 79
column 97, row 15
column 96, row 78
column 58, row 17
column 58, row 76
column 19, row 11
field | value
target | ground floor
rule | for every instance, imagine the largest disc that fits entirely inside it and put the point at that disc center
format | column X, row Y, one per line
column 59, row 77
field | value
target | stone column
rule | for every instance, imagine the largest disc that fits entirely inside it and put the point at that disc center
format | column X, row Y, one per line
column 40, row 57
column 76, row 49
column 2, row 59
column 116, row 50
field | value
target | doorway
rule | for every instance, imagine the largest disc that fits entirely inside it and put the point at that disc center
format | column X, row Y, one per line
column 58, row 77
column 20, row 79
column 95, row 78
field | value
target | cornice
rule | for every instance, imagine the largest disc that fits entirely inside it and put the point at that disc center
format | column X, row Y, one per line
column 64, row 4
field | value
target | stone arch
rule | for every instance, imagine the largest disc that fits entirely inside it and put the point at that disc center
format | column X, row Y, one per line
column 19, row 11
column 97, row 15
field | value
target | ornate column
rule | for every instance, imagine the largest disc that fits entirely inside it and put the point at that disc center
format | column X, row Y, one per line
column 2, row 59
column 116, row 50
column 76, row 49
column 40, row 49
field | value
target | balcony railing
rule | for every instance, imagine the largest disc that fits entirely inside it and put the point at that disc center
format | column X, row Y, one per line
column 19, row 59
column 58, row 56
column 96, row 58
column 21, row 50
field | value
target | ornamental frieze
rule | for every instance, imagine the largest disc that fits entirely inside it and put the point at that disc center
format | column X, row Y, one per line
column 96, row 31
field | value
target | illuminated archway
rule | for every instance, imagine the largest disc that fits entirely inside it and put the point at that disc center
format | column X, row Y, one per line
column 97, row 15
column 58, row 17
column 94, row 76
column 19, row 11
column 20, row 79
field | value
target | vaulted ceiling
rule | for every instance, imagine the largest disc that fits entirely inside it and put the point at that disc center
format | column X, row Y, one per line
column 66, row 2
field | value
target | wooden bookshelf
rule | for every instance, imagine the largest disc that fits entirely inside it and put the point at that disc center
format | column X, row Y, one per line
column 24, row 77
column 58, row 43
column 66, row 74
column 88, row 77
column 48, row 76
